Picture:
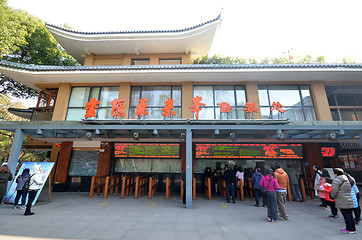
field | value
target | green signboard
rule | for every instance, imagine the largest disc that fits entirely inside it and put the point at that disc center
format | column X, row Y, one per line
column 146, row 150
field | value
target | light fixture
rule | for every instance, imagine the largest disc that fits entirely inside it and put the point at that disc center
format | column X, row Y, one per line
column 341, row 132
column 217, row 131
column 232, row 135
column 135, row 135
column 39, row 132
column 155, row 132
column 98, row 131
column 333, row 136
column 280, row 134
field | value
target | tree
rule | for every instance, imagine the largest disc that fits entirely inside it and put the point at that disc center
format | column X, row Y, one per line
column 25, row 39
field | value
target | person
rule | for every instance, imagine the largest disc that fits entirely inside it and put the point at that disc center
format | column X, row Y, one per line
column 341, row 193
column 321, row 187
column 5, row 176
column 355, row 197
column 216, row 178
column 34, row 185
column 230, row 183
column 255, row 180
column 183, row 177
column 19, row 189
column 283, row 180
column 316, row 180
column 240, row 175
column 330, row 202
column 271, row 185
column 294, row 183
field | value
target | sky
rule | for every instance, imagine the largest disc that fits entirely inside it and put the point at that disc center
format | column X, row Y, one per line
column 249, row 28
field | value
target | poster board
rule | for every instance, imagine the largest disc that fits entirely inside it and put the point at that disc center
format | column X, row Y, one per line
column 47, row 168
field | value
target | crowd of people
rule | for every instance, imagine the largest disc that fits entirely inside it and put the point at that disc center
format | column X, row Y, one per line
column 338, row 193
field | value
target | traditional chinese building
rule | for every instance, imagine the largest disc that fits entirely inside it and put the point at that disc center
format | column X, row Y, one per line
column 136, row 106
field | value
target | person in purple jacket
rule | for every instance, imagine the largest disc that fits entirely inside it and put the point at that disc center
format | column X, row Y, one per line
column 271, row 185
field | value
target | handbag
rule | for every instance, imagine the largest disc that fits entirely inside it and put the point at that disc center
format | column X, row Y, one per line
column 263, row 191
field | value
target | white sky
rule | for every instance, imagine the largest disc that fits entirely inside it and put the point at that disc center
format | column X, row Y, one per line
column 249, row 28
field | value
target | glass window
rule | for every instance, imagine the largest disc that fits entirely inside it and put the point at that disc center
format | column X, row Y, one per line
column 80, row 96
column 296, row 100
column 345, row 103
column 140, row 62
column 176, row 61
column 212, row 95
column 156, row 97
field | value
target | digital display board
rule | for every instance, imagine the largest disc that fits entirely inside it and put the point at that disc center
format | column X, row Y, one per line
column 328, row 151
column 146, row 150
column 252, row 150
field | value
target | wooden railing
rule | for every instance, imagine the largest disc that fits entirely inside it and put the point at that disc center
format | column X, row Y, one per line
column 249, row 187
column 222, row 187
column 98, row 183
column 302, row 189
column 141, row 186
column 112, row 183
column 152, row 187
column 240, row 189
column 208, row 187
column 127, row 185
column 168, row 187
column 193, row 189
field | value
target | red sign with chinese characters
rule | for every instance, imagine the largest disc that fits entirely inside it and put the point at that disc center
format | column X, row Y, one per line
column 328, row 151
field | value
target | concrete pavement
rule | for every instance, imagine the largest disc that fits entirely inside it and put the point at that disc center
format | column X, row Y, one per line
column 76, row 216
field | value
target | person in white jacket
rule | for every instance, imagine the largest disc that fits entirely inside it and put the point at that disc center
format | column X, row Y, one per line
column 35, row 184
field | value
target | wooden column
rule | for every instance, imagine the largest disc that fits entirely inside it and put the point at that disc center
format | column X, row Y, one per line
column 312, row 156
column 320, row 100
column 252, row 95
column 62, row 169
column 104, row 160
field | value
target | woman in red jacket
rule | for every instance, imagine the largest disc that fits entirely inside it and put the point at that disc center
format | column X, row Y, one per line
column 330, row 202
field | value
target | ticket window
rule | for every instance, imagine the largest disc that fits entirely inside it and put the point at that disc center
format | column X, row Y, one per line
column 148, row 165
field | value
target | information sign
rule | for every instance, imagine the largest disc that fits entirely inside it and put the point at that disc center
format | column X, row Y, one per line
column 147, row 150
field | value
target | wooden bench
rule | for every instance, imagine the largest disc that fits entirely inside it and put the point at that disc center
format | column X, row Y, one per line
column 127, row 185
column 141, row 186
column 112, row 183
column 152, row 187
column 208, row 187
column 97, row 183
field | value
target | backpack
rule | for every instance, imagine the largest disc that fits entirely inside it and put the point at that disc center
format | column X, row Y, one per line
column 26, row 184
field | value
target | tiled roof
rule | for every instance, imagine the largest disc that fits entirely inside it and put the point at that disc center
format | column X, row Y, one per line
column 139, row 31
column 305, row 66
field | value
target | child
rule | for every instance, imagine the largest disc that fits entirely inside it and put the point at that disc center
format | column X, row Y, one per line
column 330, row 202
column 321, row 190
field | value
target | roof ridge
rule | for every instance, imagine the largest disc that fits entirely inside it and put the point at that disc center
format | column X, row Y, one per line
column 138, row 31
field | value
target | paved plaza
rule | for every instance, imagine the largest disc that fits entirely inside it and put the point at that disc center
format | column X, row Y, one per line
column 76, row 216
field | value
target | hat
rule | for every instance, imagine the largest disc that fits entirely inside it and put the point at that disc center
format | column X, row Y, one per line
column 338, row 171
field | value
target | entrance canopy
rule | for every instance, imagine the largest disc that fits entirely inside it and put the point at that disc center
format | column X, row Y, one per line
column 174, row 130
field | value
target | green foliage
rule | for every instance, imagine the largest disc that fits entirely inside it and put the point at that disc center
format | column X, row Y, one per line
column 25, row 39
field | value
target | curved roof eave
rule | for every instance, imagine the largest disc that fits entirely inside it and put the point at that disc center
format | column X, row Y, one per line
column 196, row 40
column 33, row 75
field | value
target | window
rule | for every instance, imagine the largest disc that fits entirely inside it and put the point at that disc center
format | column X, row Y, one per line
column 296, row 101
column 345, row 103
column 140, row 62
column 80, row 96
column 156, row 97
column 212, row 95
column 176, row 61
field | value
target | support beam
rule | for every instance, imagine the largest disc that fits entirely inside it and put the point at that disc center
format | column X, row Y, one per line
column 15, row 151
column 188, row 168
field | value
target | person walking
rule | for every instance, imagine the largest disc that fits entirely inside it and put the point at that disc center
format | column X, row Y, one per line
column 341, row 193
column 230, row 183
column 34, row 185
column 5, row 177
column 316, row 180
column 255, row 180
column 19, row 189
column 283, row 181
column 294, row 183
column 271, row 185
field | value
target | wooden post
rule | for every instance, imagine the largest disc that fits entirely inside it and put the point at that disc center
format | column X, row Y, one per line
column 123, row 186
column 311, row 189
column 137, row 187
column 289, row 193
column 168, row 185
column 193, row 189
column 92, row 187
column 208, row 188
column 182, row 189
column 106, row 187
column 117, row 184
column 302, row 189
column 250, row 186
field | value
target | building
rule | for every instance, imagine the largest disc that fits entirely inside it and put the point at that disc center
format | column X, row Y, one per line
column 136, row 105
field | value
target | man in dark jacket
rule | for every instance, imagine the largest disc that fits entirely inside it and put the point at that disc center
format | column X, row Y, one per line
column 255, row 180
column 230, row 183
column 293, row 181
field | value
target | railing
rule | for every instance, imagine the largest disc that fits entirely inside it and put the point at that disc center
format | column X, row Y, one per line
column 98, row 182
column 193, row 189
column 141, row 186
column 152, row 187
column 249, row 187
column 240, row 189
column 127, row 185
column 208, row 188
column 112, row 183
column 168, row 187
